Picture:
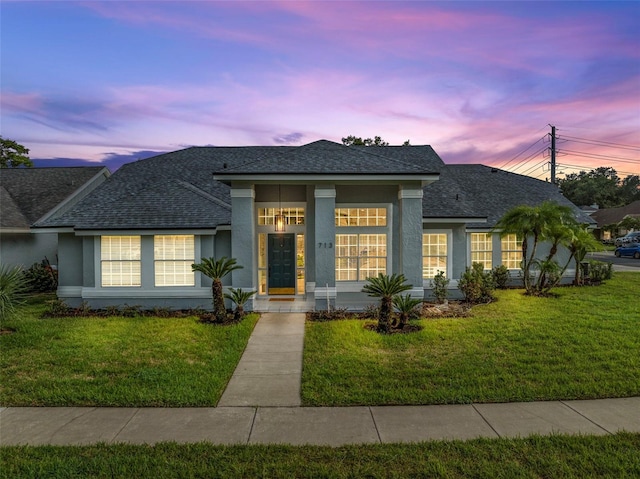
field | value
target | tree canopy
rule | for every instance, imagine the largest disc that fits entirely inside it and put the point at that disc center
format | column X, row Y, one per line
column 358, row 141
column 601, row 186
column 13, row 154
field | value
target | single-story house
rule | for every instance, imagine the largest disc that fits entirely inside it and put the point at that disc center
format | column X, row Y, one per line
column 30, row 195
column 308, row 223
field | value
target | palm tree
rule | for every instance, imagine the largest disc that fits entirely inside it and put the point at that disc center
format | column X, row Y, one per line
column 580, row 244
column 405, row 305
column 385, row 287
column 239, row 298
column 535, row 224
column 216, row 269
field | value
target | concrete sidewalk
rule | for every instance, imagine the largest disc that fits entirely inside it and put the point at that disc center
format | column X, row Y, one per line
column 261, row 405
column 322, row 426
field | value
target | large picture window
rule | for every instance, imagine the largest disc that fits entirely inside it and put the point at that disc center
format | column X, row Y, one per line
column 120, row 261
column 361, row 243
column 511, row 247
column 434, row 254
column 360, row 256
column 173, row 257
column 482, row 249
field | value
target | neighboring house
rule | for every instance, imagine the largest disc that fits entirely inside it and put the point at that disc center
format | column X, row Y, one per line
column 28, row 195
column 349, row 213
column 608, row 217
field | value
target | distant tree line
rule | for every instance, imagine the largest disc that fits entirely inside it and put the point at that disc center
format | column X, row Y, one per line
column 602, row 187
column 376, row 141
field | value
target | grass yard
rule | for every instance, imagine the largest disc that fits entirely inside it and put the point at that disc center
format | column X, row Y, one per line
column 614, row 456
column 585, row 343
column 117, row 361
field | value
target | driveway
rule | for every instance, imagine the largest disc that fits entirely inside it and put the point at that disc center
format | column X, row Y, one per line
column 619, row 264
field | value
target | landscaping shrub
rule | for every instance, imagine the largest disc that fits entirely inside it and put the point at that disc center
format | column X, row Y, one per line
column 330, row 315
column 12, row 290
column 476, row 285
column 599, row 271
column 41, row 277
column 500, row 276
column 440, row 283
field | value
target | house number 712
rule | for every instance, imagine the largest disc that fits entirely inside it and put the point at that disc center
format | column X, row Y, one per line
column 325, row 245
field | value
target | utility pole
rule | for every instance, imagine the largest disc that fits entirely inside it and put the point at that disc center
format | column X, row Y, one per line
column 553, row 154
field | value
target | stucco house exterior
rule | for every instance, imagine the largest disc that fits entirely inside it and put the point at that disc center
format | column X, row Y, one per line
column 29, row 195
column 308, row 224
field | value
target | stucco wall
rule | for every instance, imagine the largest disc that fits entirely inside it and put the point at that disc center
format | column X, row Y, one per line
column 24, row 249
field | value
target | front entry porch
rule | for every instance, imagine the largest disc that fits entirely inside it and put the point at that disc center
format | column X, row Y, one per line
column 283, row 304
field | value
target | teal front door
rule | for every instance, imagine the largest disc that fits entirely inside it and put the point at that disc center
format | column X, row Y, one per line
column 282, row 264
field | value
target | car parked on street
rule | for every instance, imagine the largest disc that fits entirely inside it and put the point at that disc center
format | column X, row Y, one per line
column 632, row 237
column 629, row 249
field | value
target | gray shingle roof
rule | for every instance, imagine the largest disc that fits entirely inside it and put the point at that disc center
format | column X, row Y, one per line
column 481, row 191
column 176, row 190
column 28, row 194
column 329, row 158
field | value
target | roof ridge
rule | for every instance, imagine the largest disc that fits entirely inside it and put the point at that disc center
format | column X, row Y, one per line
column 203, row 193
column 395, row 160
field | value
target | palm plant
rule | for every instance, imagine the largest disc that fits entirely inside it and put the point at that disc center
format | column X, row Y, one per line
column 13, row 287
column 216, row 269
column 385, row 287
column 535, row 224
column 239, row 298
column 582, row 241
column 405, row 306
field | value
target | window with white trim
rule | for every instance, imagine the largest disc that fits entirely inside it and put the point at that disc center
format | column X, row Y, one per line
column 482, row 249
column 120, row 261
column 434, row 254
column 173, row 256
column 511, row 247
column 361, row 243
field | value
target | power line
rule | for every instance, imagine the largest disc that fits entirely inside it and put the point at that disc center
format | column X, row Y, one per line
column 527, row 148
column 597, row 156
column 582, row 168
column 600, row 142
column 526, row 161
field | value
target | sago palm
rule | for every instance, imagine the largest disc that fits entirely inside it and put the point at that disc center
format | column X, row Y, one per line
column 239, row 298
column 386, row 287
column 405, row 306
column 216, row 269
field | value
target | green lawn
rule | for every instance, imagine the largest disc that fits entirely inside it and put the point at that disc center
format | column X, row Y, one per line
column 585, row 343
column 117, row 361
column 614, row 456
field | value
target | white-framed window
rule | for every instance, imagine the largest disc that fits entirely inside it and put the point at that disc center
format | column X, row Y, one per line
column 434, row 254
column 482, row 249
column 293, row 215
column 173, row 256
column 511, row 247
column 361, row 242
column 120, row 261
column 361, row 217
column 360, row 256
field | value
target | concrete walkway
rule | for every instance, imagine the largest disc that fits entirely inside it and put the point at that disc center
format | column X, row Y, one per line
column 261, row 405
column 270, row 370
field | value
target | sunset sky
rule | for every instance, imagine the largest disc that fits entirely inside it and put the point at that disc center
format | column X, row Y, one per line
column 115, row 81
